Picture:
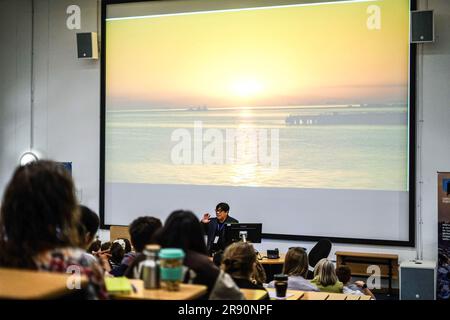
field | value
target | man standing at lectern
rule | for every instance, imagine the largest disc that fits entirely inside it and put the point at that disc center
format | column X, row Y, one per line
column 214, row 227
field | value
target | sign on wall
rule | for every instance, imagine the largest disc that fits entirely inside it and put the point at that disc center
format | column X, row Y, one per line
column 443, row 274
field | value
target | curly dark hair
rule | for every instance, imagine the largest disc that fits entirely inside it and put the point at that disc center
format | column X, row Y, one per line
column 39, row 212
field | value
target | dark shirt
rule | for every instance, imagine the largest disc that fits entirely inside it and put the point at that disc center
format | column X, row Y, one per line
column 119, row 270
column 205, row 272
column 219, row 232
column 132, row 270
column 213, row 229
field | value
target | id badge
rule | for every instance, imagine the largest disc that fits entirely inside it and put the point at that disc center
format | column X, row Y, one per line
column 216, row 239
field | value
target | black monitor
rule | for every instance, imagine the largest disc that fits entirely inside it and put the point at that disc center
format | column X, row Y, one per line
column 235, row 232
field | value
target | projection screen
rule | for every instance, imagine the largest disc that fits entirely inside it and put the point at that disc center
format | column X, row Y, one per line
column 298, row 115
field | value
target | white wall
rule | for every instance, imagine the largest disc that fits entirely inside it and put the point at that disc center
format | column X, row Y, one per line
column 434, row 104
column 66, row 91
column 67, row 99
column 15, row 74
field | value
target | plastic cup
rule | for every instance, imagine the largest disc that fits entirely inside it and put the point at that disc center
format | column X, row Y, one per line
column 171, row 265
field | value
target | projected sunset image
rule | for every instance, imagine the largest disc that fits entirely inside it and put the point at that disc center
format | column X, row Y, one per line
column 328, row 81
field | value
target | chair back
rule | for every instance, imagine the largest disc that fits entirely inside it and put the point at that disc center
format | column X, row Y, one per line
column 321, row 250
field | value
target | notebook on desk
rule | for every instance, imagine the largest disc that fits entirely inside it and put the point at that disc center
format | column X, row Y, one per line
column 118, row 285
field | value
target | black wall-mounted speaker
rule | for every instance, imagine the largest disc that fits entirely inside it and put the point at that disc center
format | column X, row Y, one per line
column 422, row 26
column 87, row 45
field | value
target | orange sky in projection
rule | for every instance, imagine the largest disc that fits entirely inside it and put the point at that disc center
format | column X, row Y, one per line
column 279, row 56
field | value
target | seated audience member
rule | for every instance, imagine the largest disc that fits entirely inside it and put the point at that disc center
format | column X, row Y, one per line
column 344, row 274
column 95, row 247
column 217, row 258
column 105, row 246
column 128, row 247
column 325, row 278
column 141, row 231
column 104, row 255
column 296, row 267
column 239, row 261
column 183, row 230
column 87, row 230
column 116, row 254
column 38, row 225
column 259, row 274
column 119, row 249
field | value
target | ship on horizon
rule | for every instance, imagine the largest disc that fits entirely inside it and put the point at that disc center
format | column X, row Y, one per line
column 349, row 118
column 204, row 108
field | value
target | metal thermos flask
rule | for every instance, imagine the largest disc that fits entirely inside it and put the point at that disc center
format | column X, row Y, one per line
column 150, row 272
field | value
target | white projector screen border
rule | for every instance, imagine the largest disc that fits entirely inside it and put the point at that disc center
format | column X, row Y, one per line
column 410, row 242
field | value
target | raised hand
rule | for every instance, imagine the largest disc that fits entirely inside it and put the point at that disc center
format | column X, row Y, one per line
column 206, row 218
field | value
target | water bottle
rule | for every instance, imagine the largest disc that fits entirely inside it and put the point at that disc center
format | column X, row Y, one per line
column 150, row 267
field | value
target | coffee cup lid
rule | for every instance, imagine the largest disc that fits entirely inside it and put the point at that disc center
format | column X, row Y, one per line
column 171, row 253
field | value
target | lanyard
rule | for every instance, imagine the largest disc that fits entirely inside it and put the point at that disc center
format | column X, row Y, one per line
column 220, row 226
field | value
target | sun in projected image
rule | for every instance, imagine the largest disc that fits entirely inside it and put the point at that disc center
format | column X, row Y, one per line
column 246, row 88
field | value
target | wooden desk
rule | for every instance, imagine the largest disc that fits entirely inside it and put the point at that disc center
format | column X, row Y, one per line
column 292, row 294
column 272, row 266
column 337, row 296
column 353, row 297
column 253, row 294
column 359, row 261
column 332, row 296
column 266, row 261
column 187, row 292
column 27, row 284
column 310, row 295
